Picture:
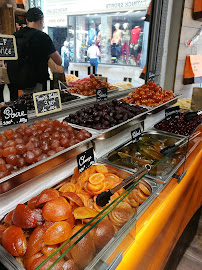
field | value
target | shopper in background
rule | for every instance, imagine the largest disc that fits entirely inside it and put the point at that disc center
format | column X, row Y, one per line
column 93, row 53
column 65, row 57
column 30, row 72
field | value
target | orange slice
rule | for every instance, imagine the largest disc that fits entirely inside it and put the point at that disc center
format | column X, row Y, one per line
column 83, row 177
column 96, row 178
column 101, row 168
column 68, row 187
column 95, row 187
column 84, row 212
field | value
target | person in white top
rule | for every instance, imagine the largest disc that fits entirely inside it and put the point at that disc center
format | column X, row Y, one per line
column 93, row 53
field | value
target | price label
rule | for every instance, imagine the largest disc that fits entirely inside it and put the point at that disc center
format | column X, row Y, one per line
column 127, row 79
column 47, row 102
column 101, row 94
column 75, row 72
column 91, row 70
column 8, row 50
column 152, row 75
column 85, row 160
column 12, row 115
column 173, row 112
column 136, row 134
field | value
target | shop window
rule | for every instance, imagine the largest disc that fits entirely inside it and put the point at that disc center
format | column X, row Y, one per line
column 119, row 37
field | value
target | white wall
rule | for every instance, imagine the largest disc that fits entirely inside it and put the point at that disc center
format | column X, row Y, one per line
column 189, row 29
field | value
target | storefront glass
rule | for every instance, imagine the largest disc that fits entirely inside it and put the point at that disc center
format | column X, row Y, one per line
column 119, row 37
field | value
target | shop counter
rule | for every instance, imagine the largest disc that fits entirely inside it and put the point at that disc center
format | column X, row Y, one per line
column 159, row 228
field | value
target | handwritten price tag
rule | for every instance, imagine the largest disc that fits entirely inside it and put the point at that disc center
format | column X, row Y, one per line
column 136, row 135
column 8, row 50
column 85, row 160
column 47, row 102
column 101, row 94
column 12, row 115
column 173, row 112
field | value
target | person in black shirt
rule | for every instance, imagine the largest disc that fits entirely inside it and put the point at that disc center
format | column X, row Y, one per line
column 30, row 71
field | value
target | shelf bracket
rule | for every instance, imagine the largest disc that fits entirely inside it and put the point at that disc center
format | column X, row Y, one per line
column 179, row 177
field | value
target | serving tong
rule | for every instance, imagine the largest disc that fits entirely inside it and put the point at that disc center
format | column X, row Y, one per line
column 190, row 115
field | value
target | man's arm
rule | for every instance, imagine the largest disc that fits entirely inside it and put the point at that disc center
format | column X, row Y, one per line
column 56, row 58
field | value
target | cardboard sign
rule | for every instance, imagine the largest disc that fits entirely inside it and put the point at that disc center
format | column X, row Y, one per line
column 91, row 70
column 85, row 160
column 101, row 94
column 136, row 134
column 104, row 79
column 47, row 102
column 173, row 112
column 12, row 115
column 8, row 50
column 193, row 69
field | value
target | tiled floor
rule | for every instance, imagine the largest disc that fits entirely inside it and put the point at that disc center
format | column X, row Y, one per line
column 192, row 258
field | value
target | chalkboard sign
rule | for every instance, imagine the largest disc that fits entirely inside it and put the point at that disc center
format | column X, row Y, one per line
column 173, row 112
column 104, row 79
column 101, row 94
column 85, row 160
column 75, row 72
column 47, row 102
column 8, row 50
column 12, row 115
column 136, row 134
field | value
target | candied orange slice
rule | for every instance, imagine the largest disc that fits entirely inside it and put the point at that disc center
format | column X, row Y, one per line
column 85, row 198
column 57, row 210
column 112, row 177
column 79, row 187
column 96, row 187
column 101, row 168
column 92, row 169
column 144, row 188
column 83, row 177
column 96, row 178
column 136, row 196
column 84, row 212
column 96, row 192
column 57, row 233
column 142, row 195
column 96, row 207
column 85, row 187
column 75, row 175
column 73, row 197
column 68, row 187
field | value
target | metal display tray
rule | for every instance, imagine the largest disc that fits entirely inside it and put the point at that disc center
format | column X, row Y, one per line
column 15, row 179
column 156, row 134
column 82, row 96
column 11, row 263
column 110, row 132
column 154, row 110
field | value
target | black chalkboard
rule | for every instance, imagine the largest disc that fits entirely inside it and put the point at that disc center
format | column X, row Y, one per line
column 47, row 102
column 101, row 94
column 12, row 115
column 91, row 70
column 85, row 160
column 136, row 134
column 125, row 79
column 173, row 112
column 8, row 49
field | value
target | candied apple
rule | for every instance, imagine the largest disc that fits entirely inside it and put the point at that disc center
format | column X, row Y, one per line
column 14, row 241
column 46, row 195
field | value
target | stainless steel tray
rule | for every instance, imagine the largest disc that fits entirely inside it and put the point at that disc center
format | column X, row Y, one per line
column 160, row 135
column 82, row 96
column 107, row 133
column 11, row 263
column 154, row 110
column 15, row 179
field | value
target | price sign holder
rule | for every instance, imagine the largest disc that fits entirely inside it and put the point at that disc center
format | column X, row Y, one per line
column 173, row 112
column 101, row 94
column 47, row 102
column 85, row 159
column 12, row 115
column 91, row 70
column 8, row 49
column 136, row 134
column 104, row 79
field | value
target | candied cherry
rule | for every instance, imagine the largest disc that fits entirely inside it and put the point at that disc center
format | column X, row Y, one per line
column 12, row 159
column 30, row 157
column 28, row 131
column 9, row 150
column 21, row 149
column 3, row 167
